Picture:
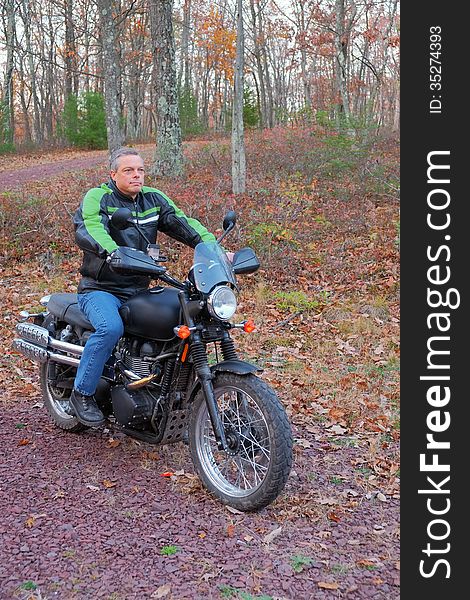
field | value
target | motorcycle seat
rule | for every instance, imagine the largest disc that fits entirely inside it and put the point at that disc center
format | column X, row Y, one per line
column 65, row 307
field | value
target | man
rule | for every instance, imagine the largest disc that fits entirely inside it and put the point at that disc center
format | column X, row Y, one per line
column 100, row 291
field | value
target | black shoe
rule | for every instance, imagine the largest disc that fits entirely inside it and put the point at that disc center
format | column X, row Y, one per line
column 86, row 409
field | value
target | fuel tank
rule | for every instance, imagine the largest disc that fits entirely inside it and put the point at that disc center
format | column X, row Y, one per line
column 152, row 314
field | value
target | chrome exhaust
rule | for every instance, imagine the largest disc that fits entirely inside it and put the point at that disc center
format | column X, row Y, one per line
column 40, row 354
column 40, row 337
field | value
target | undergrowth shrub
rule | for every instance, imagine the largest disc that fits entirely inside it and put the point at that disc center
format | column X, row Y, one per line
column 30, row 225
column 295, row 301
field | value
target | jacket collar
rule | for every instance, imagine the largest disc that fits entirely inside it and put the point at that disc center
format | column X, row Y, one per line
column 120, row 195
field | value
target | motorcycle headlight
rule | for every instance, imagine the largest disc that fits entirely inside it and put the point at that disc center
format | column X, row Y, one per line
column 222, row 303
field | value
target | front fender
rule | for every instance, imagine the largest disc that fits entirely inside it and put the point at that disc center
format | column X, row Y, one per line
column 240, row 367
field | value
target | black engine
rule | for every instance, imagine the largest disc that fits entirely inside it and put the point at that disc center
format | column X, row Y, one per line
column 133, row 408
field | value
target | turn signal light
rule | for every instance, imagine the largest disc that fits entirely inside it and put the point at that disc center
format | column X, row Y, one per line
column 182, row 332
column 249, row 326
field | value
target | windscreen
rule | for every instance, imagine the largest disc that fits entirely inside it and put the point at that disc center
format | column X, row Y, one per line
column 211, row 267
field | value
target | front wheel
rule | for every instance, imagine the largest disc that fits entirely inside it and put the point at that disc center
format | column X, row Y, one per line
column 255, row 470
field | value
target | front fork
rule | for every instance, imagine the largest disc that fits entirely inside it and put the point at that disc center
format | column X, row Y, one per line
column 204, row 374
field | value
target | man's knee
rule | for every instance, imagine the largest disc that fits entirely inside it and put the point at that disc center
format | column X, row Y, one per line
column 115, row 330
column 111, row 329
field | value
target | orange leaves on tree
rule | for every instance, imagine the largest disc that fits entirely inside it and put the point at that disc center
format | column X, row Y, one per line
column 219, row 41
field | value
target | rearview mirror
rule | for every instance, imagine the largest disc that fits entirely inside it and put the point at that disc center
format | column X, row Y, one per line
column 122, row 218
column 229, row 220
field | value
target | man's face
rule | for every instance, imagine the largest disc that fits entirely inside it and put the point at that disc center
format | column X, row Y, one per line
column 129, row 176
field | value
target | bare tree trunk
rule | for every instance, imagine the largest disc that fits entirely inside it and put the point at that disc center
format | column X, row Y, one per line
column 169, row 154
column 260, row 88
column 112, row 74
column 341, row 48
column 267, row 76
column 7, row 95
column 238, row 138
column 27, row 139
column 71, row 78
column 184, row 75
column 37, row 126
column 303, row 59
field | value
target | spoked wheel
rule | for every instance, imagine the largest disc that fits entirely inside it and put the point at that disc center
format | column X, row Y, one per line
column 255, row 469
column 56, row 399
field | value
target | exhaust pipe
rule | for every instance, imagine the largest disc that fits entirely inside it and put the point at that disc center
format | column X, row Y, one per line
column 42, row 355
column 40, row 337
column 35, row 344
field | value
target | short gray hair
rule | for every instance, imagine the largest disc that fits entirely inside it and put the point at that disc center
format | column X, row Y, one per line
column 116, row 154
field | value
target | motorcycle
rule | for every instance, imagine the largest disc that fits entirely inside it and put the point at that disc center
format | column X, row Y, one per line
column 163, row 384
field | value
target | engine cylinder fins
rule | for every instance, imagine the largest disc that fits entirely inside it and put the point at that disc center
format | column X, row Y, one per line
column 136, row 365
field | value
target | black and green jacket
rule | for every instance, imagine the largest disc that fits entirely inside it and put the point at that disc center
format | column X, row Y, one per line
column 97, row 237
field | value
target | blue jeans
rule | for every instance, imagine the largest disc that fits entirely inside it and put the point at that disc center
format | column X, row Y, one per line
column 102, row 310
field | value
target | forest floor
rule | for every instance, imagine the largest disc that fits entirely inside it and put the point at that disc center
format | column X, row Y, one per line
column 90, row 515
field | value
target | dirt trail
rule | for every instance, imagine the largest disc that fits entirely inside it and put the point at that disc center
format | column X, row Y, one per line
column 14, row 177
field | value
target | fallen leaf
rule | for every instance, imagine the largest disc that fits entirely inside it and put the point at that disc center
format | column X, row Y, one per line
column 150, row 455
column 337, row 429
column 109, row 484
column 235, row 511
column 24, row 442
column 112, row 443
column 327, row 585
column 248, row 538
column 350, row 492
column 202, row 535
column 30, row 521
column 272, row 535
column 93, row 488
column 167, row 474
column 366, row 563
column 230, row 530
column 381, row 497
column 334, row 517
column 162, row 591
column 331, row 501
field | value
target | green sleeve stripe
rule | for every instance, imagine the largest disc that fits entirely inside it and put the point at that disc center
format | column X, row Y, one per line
column 92, row 219
column 206, row 236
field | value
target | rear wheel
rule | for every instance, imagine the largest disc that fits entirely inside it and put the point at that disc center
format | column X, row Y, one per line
column 57, row 398
column 255, row 470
